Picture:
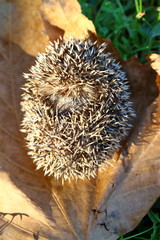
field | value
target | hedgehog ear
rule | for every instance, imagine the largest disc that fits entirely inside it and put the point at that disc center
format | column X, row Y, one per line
column 52, row 31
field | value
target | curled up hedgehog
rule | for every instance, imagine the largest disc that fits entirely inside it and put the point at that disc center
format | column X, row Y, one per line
column 76, row 109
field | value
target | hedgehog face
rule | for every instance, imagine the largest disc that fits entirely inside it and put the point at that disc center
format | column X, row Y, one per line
column 76, row 109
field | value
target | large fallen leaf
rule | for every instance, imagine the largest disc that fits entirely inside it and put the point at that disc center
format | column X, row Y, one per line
column 112, row 203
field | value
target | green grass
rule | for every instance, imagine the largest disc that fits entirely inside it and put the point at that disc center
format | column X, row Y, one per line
column 133, row 26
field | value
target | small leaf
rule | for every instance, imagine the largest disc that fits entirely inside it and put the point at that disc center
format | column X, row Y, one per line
column 155, row 31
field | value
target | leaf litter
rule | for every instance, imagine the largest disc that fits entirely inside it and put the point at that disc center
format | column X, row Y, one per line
column 118, row 198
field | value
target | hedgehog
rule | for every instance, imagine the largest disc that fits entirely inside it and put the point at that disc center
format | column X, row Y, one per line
column 76, row 109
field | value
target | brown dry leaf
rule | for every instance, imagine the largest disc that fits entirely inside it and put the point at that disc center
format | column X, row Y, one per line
column 65, row 16
column 124, row 196
column 21, row 23
column 136, row 186
column 119, row 197
column 155, row 62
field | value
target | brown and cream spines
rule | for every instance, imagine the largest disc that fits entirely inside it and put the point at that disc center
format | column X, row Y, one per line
column 76, row 109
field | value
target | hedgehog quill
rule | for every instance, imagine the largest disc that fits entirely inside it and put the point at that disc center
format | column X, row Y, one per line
column 77, row 109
